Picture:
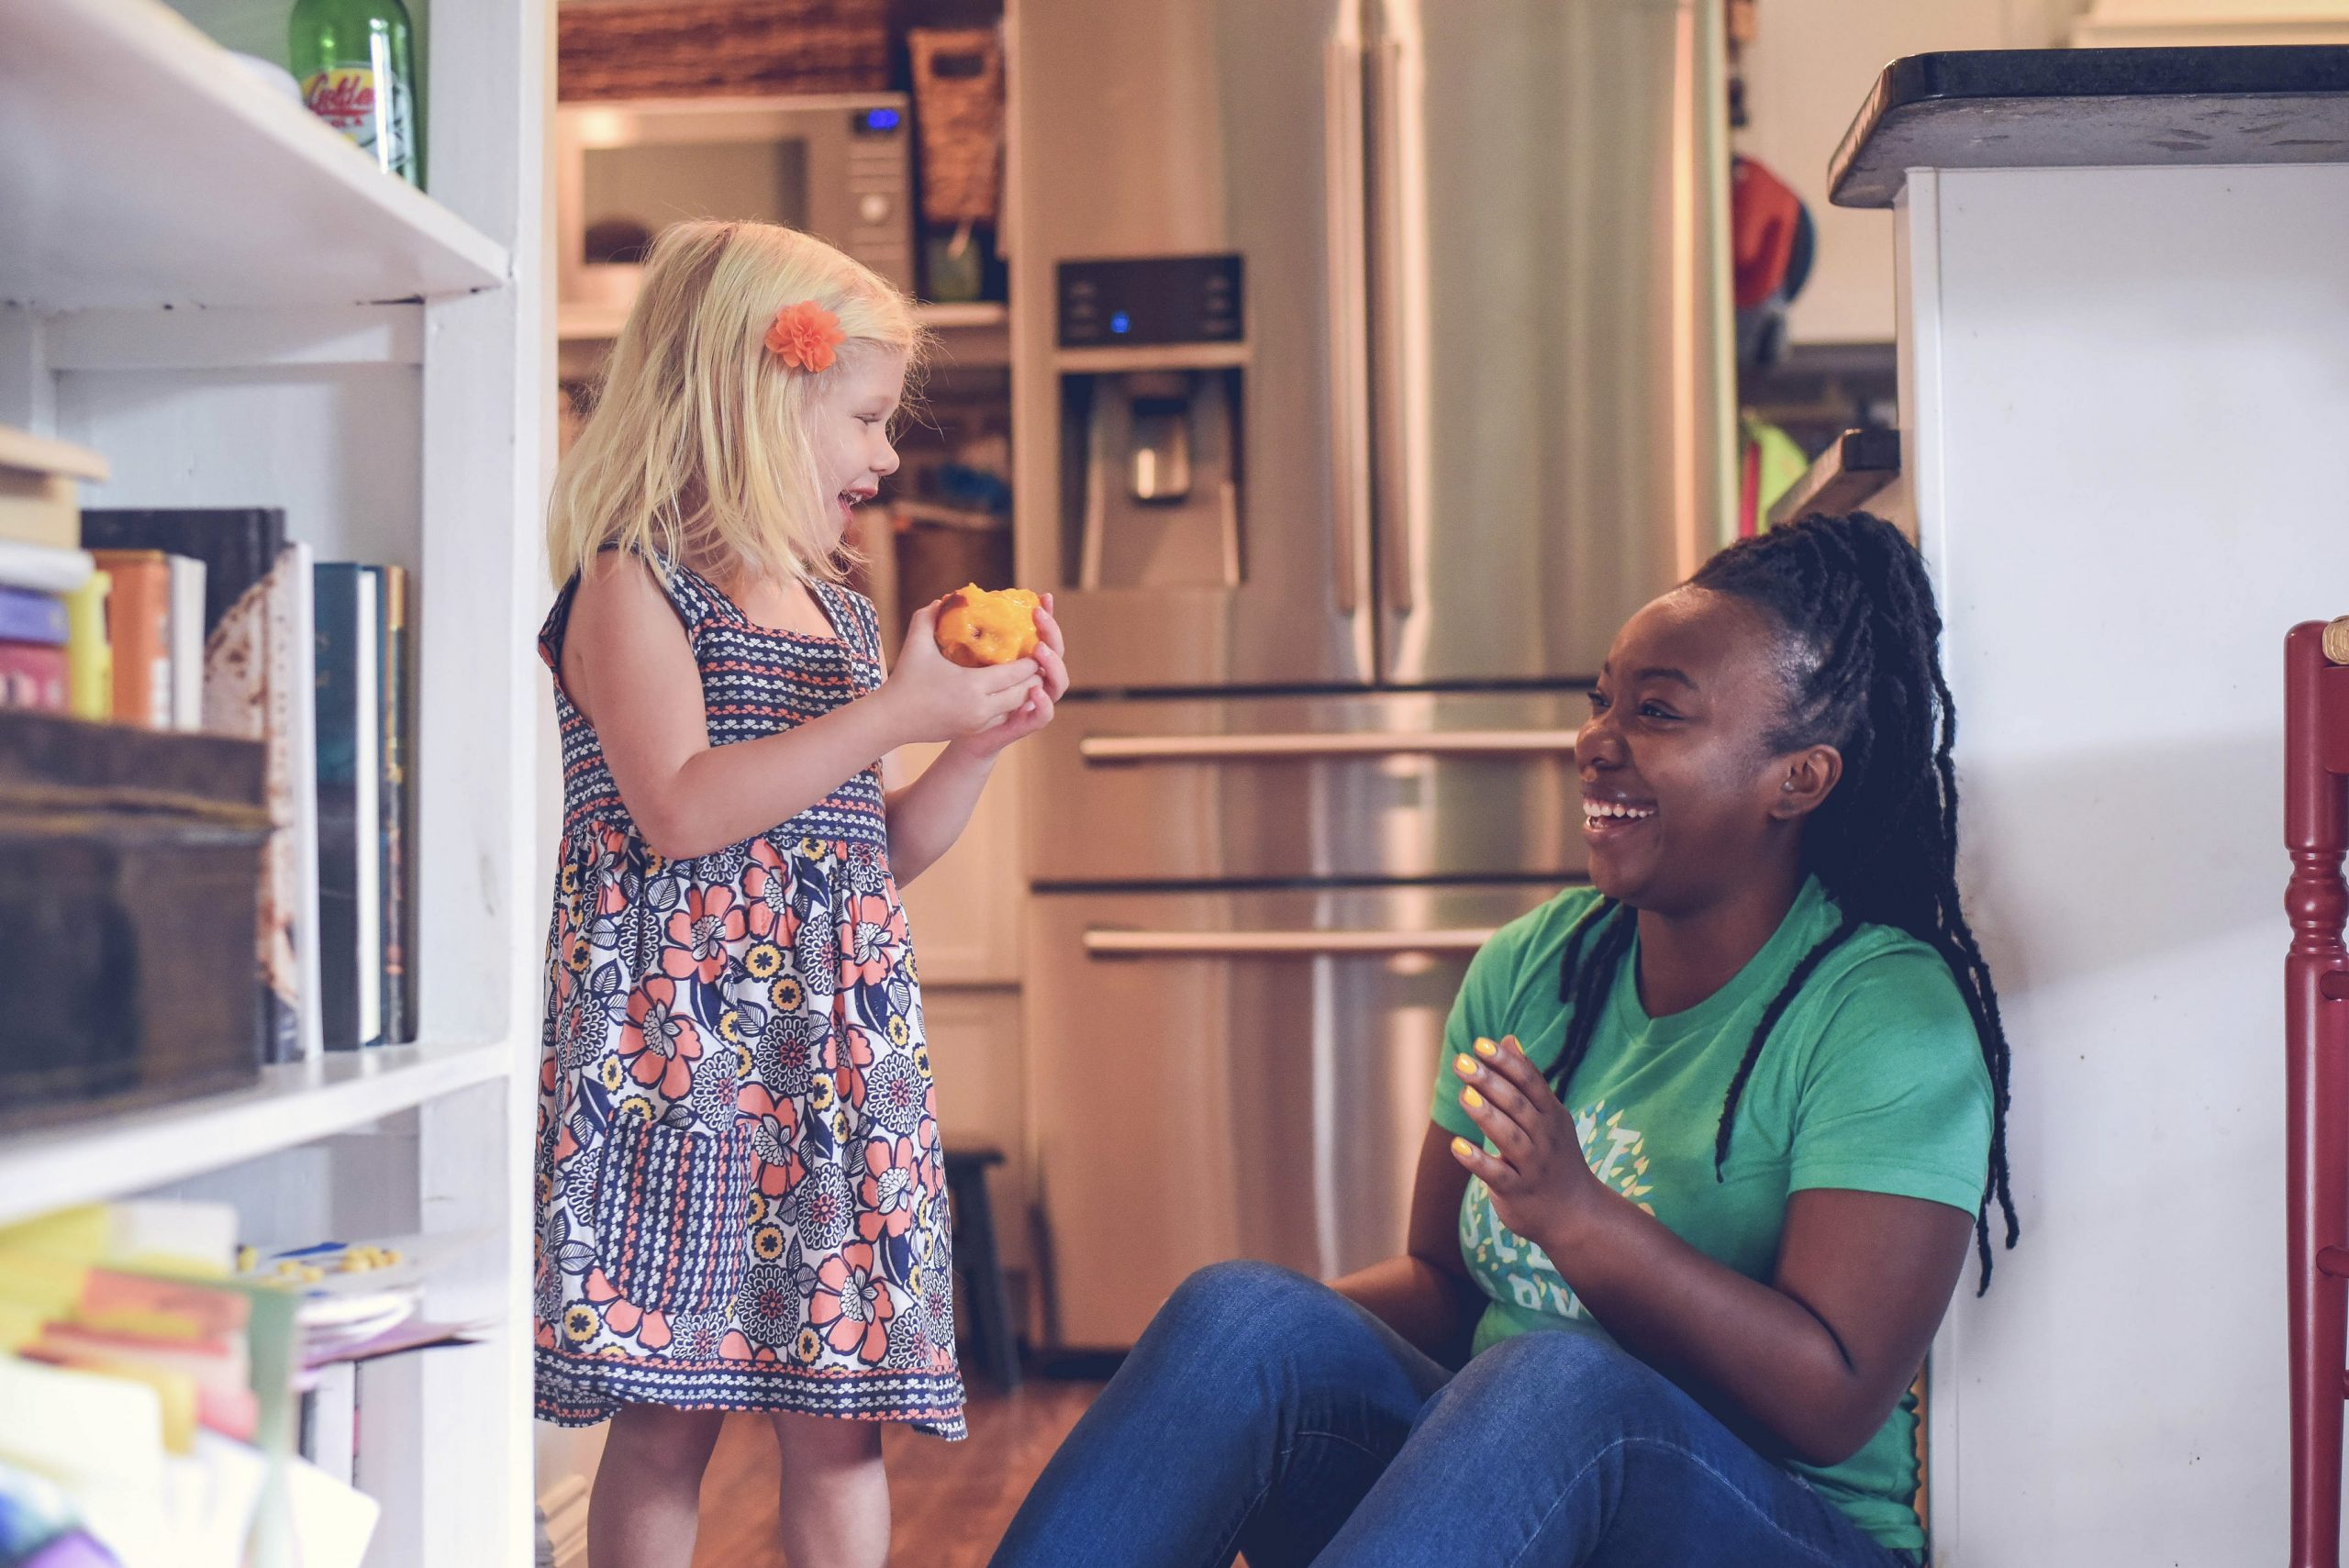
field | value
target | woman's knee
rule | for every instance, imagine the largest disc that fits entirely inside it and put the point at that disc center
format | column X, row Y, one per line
column 1241, row 1300
column 1555, row 1379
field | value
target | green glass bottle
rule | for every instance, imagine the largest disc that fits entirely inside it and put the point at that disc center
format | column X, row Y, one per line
column 356, row 61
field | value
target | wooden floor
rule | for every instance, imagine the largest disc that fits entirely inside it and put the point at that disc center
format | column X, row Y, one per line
column 951, row 1501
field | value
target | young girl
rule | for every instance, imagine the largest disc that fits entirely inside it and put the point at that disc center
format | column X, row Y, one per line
column 740, row 1191
column 1708, row 1141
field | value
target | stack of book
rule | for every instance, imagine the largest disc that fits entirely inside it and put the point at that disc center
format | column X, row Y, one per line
column 212, row 620
column 152, row 1398
column 51, row 605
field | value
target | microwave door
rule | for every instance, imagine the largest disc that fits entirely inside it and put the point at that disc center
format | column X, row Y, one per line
column 835, row 165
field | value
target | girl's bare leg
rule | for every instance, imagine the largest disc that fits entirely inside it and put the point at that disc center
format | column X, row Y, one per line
column 646, row 1503
column 835, row 1494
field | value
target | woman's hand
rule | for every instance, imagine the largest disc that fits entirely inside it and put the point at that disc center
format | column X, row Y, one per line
column 1541, row 1184
column 931, row 697
column 1044, row 692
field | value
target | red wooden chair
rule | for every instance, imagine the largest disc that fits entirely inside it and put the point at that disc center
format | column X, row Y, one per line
column 2316, row 1044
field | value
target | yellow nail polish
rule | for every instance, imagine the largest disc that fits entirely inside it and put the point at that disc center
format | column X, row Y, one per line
column 1472, row 1099
column 1461, row 1146
column 1487, row 1048
column 1465, row 1064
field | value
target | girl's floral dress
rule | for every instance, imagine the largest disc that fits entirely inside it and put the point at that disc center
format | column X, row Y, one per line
column 741, row 1199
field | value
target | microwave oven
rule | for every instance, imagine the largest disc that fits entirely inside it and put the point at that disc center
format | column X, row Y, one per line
column 838, row 166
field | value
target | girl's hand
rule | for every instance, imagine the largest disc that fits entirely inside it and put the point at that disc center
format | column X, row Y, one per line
column 1044, row 692
column 934, row 698
column 1543, row 1186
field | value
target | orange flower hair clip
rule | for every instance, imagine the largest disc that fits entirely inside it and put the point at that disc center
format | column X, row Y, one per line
column 802, row 336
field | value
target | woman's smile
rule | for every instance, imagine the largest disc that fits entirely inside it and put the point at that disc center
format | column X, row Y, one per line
column 1613, row 819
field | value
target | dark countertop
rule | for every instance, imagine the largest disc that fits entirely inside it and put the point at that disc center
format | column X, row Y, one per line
column 2074, row 109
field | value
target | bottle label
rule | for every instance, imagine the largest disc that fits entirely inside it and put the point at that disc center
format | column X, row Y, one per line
column 383, row 124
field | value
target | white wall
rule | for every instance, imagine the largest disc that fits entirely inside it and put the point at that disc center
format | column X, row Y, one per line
column 1806, row 75
column 2131, row 393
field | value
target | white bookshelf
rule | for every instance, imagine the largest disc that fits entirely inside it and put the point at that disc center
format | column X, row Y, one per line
column 237, row 308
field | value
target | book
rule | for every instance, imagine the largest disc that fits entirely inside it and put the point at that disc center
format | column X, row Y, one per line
column 89, row 657
column 40, row 503
column 237, row 546
column 188, row 578
column 42, row 569
column 294, row 657
column 138, row 626
column 27, row 616
column 38, row 510
column 259, row 684
column 331, row 1421
column 34, row 676
column 398, row 731
column 349, row 728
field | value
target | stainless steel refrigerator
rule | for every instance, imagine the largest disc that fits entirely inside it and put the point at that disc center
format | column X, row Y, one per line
column 1370, row 369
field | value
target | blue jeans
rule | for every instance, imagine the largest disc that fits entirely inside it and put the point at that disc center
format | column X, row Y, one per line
column 1263, row 1413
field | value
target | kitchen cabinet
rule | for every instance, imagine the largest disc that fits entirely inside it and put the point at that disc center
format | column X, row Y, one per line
column 2122, row 393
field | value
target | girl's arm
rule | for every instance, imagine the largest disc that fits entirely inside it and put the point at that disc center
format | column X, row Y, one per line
column 629, row 668
column 930, row 813
column 1808, row 1364
column 1426, row 1294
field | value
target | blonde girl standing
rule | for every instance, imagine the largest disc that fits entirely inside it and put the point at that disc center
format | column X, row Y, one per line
column 740, row 1190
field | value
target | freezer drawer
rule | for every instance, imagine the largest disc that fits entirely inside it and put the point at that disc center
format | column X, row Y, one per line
column 1233, row 1075
column 1384, row 786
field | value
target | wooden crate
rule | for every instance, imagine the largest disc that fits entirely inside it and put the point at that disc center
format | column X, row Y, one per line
column 129, row 888
column 686, row 49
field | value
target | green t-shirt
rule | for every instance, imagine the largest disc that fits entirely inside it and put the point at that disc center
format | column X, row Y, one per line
column 1873, row 1080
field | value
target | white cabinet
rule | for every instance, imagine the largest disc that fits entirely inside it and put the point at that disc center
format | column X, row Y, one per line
column 2122, row 397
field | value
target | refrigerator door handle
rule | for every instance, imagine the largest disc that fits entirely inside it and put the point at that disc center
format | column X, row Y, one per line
column 1100, row 750
column 1284, row 944
column 1399, row 263
column 1347, row 302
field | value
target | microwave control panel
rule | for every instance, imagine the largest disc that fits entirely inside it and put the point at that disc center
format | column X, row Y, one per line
column 880, row 190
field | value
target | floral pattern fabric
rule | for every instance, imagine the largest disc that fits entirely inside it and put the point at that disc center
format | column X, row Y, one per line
column 741, row 1195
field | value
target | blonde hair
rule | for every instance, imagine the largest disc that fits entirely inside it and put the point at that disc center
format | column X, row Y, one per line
column 698, row 448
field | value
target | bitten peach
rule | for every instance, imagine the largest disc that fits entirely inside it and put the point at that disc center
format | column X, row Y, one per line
column 977, row 628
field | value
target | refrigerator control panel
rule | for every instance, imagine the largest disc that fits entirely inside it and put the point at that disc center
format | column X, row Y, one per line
column 1150, row 300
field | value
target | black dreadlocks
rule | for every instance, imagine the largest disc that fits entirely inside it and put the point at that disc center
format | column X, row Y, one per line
column 1866, row 677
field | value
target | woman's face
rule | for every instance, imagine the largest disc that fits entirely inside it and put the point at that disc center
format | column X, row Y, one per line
column 1681, row 795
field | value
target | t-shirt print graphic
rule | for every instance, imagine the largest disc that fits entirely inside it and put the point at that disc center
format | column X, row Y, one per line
column 1510, row 1268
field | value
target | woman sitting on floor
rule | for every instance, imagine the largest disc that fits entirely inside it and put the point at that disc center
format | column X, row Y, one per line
column 1710, row 1140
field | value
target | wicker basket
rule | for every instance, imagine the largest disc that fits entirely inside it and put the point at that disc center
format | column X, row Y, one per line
column 958, row 103
column 689, row 48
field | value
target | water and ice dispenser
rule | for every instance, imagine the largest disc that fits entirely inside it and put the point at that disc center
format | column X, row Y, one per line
column 1152, row 357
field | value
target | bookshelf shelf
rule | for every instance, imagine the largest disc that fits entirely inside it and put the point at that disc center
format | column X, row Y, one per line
column 298, row 1103
column 147, row 166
